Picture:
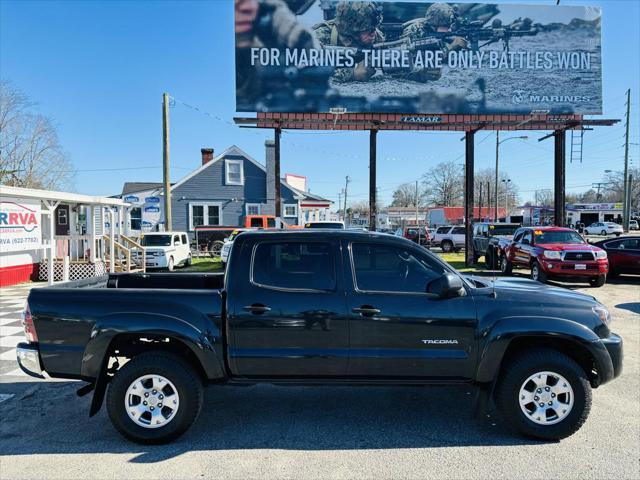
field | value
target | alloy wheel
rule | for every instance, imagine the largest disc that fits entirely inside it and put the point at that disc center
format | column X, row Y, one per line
column 546, row 398
column 152, row 401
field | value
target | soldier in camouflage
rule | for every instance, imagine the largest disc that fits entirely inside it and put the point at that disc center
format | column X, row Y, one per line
column 355, row 25
column 263, row 23
column 439, row 17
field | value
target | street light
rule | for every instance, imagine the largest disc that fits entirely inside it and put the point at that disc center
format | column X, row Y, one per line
column 498, row 142
column 506, row 198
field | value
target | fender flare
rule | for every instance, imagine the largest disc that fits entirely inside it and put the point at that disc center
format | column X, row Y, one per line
column 108, row 328
column 495, row 341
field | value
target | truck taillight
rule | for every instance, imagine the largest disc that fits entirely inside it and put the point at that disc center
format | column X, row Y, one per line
column 28, row 325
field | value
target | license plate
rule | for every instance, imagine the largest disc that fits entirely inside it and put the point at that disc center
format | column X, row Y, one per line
column 581, row 266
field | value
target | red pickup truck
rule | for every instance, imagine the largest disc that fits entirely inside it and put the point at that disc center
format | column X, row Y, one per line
column 556, row 252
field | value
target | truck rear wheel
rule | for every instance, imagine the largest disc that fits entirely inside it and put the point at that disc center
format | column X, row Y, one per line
column 154, row 398
column 544, row 394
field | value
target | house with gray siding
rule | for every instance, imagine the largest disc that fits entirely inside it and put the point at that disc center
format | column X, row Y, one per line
column 224, row 190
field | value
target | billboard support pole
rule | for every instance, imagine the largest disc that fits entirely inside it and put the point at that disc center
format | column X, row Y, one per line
column 166, row 172
column 276, row 175
column 372, row 179
column 559, row 177
column 468, row 196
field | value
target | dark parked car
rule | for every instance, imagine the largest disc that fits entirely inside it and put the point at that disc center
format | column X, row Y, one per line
column 623, row 253
column 487, row 238
column 317, row 307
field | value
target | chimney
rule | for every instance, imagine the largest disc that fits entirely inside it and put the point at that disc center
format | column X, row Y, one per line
column 270, row 163
column 207, row 155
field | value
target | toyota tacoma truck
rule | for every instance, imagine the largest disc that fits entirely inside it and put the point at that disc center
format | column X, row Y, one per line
column 555, row 252
column 489, row 239
column 321, row 307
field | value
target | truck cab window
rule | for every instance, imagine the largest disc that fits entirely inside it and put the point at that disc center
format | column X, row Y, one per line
column 392, row 269
column 294, row 265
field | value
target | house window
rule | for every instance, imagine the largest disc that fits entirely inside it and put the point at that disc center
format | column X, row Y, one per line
column 234, row 172
column 203, row 214
column 253, row 209
column 136, row 218
column 62, row 216
column 291, row 210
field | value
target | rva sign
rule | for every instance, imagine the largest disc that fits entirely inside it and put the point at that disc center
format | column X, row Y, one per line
column 20, row 227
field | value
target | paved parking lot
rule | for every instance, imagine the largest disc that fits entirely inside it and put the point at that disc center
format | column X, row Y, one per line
column 276, row 432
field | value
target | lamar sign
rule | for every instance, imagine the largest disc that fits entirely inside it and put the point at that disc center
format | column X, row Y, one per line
column 426, row 57
column 20, row 227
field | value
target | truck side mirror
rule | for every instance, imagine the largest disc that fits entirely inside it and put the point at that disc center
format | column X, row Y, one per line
column 446, row 286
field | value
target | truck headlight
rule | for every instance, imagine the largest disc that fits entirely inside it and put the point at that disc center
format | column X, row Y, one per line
column 160, row 254
column 552, row 255
column 603, row 314
column 601, row 255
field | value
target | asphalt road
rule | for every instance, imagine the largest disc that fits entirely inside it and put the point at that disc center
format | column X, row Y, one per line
column 346, row 432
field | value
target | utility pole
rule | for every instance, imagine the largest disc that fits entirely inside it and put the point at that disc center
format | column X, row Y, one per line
column 417, row 221
column 626, row 206
column 339, row 202
column 480, row 204
column 346, row 186
column 489, row 199
column 495, row 214
column 165, row 162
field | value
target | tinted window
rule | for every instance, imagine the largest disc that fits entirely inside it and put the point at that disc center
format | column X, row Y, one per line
column 527, row 236
column 156, row 241
column 336, row 225
column 443, row 230
column 626, row 244
column 503, row 229
column 392, row 269
column 256, row 222
column 458, row 231
column 176, row 240
column 294, row 265
column 271, row 222
column 184, row 239
column 518, row 236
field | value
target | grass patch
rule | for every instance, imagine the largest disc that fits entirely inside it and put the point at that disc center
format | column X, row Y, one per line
column 204, row 265
column 456, row 260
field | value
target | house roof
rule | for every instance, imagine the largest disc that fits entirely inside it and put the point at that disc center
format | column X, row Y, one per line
column 134, row 187
column 308, row 195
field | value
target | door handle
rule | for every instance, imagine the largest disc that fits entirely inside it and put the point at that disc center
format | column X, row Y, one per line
column 257, row 308
column 366, row 311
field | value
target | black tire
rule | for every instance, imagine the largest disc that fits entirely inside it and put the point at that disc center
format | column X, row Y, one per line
column 475, row 257
column 447, row 246
column 528, row 363
column 189, row 261
column 488, row 259
column 506, row 267
column 603, row 233
column 597, row 281
column 170, row 264
column 538, row 274
column 173, row 368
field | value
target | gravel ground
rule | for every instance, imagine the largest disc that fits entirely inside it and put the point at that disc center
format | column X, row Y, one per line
column 320, row 432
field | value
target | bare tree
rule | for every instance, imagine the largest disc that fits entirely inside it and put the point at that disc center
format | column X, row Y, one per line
column 405, row 196
column 443, row 184
column 614, row 188
column 30, row 152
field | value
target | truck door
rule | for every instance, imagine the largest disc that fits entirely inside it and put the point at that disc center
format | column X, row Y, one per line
column 288, row 318
column 399, row 330
column 523, row 249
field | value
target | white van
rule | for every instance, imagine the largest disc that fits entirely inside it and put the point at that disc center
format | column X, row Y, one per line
column 166, row 249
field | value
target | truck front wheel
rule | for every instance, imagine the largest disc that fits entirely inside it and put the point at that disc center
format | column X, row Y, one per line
column 154, row 398
column 544, row 394
column 538, row 274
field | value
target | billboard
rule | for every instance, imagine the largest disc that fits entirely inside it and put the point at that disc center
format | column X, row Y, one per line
column 20, row 227
column 409, row 57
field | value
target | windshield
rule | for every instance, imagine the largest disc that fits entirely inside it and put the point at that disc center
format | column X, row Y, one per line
column 542, row 237
column 324, row 225
column 156, row 241
column 503, row 229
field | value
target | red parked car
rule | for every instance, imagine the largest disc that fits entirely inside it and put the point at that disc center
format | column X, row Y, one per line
column 555, row 252
column 623, row 254
column 420, row 235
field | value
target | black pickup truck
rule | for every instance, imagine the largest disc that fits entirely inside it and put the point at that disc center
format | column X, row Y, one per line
column 489, row 240
column 322, row 307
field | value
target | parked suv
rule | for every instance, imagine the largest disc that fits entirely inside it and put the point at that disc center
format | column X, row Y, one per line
column 603, row 228
column 166, row 249
column 489, row 239
column 449, row 238
column 555, row 252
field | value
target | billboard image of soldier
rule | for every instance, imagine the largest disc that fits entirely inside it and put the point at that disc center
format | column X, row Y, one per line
column 409, row 57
